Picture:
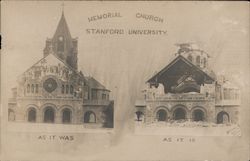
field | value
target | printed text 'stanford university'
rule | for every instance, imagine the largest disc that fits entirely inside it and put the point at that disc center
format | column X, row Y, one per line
column 129, row 32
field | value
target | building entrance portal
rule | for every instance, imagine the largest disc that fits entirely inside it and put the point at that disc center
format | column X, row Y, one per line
column 139, row 116
column 198, row 115
column 161, row 115
column 179, row 114
column 66, row 116
column 223, row 118
column 89, row 117
column 32, row 115
column 49, row 115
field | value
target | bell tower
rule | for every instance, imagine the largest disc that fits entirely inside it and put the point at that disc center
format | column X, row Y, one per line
column 62, row 44
column 195, row 55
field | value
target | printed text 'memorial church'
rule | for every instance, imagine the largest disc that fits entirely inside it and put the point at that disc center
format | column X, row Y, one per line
column 54, row 91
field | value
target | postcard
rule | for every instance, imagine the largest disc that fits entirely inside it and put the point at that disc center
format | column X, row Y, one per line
column 125, row 80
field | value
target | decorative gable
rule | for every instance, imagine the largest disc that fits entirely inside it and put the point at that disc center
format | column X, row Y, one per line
column 49, row 65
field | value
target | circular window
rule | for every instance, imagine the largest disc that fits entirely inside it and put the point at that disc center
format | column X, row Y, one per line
column 50, row 85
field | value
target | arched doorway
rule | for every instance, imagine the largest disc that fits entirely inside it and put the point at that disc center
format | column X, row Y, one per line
column 139, row 116
column 161, row 115
column 49, row 115
column 32, row 115
column 179, row 114
column 66, row 116
column 11, row 115
column 198, row 115
column 223, row 118
column 89, row 117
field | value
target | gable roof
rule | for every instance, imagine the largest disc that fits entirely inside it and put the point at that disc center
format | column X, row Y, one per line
column 54, row 55
column 179, row 59
column 93, row 83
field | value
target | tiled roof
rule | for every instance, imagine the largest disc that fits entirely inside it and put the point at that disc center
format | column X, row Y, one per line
column 93, row 83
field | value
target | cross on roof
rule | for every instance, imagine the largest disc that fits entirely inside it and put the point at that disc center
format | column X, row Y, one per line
column 63, row 6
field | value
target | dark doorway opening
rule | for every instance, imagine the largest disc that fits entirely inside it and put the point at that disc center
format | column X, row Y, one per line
column 198, row 115
column 161, row 115
column 49, row 115
column 223, row 118
column 139, row 116
column 32, row 115
column 89, row 117
column 179, row 114
column 66, row 116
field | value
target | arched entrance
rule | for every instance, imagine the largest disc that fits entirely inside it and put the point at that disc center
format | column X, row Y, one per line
column 49, row 115
column 32, row 115
column 161, row 115
column 198, row 115
column 179, row 114
column 89, row 117
column 66, row 116
column 223, row 118
column 139, row 116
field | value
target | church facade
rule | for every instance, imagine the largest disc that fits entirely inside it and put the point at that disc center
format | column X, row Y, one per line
column 186, row 90
column 53, row 90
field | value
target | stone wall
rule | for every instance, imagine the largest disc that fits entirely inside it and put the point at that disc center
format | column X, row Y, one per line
column 207, row 106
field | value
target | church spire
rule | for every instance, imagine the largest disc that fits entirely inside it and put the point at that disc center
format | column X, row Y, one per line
column 63, row 7
column 64, row 46
column 62, row 28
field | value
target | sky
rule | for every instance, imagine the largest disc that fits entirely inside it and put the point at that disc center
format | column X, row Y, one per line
column 123, row 62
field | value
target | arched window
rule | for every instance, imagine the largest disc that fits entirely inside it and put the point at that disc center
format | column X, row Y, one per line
column 32, row 88
column 67, row 89
column 190, row 58
column 89, row 117
column 66, row 116
column 36, row 88
column 205, row 62
column 223, row 118
column 49, row 115
column 63, row 88
column 11, row 115
column 198, row 59
column 28, row 88
column 32, row 115
column 161, row 115
column 198, row 115
column 71, row 89
column 179, row 114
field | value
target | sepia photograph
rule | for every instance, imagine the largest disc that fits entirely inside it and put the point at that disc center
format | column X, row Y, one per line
column 189, row 95
column 125, row 80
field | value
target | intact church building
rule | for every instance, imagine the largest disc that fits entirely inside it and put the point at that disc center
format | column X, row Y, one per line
column 53, row 90
column 187, row 90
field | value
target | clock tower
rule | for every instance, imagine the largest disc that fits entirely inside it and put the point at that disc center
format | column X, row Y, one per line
column 62, row 44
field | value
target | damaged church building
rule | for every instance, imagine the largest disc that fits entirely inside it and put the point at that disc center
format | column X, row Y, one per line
column 53, row 90
column 186, row 90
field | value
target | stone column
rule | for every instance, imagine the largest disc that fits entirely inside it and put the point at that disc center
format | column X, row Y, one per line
column 39, row 117
column 58, row 118
column 189, row 115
